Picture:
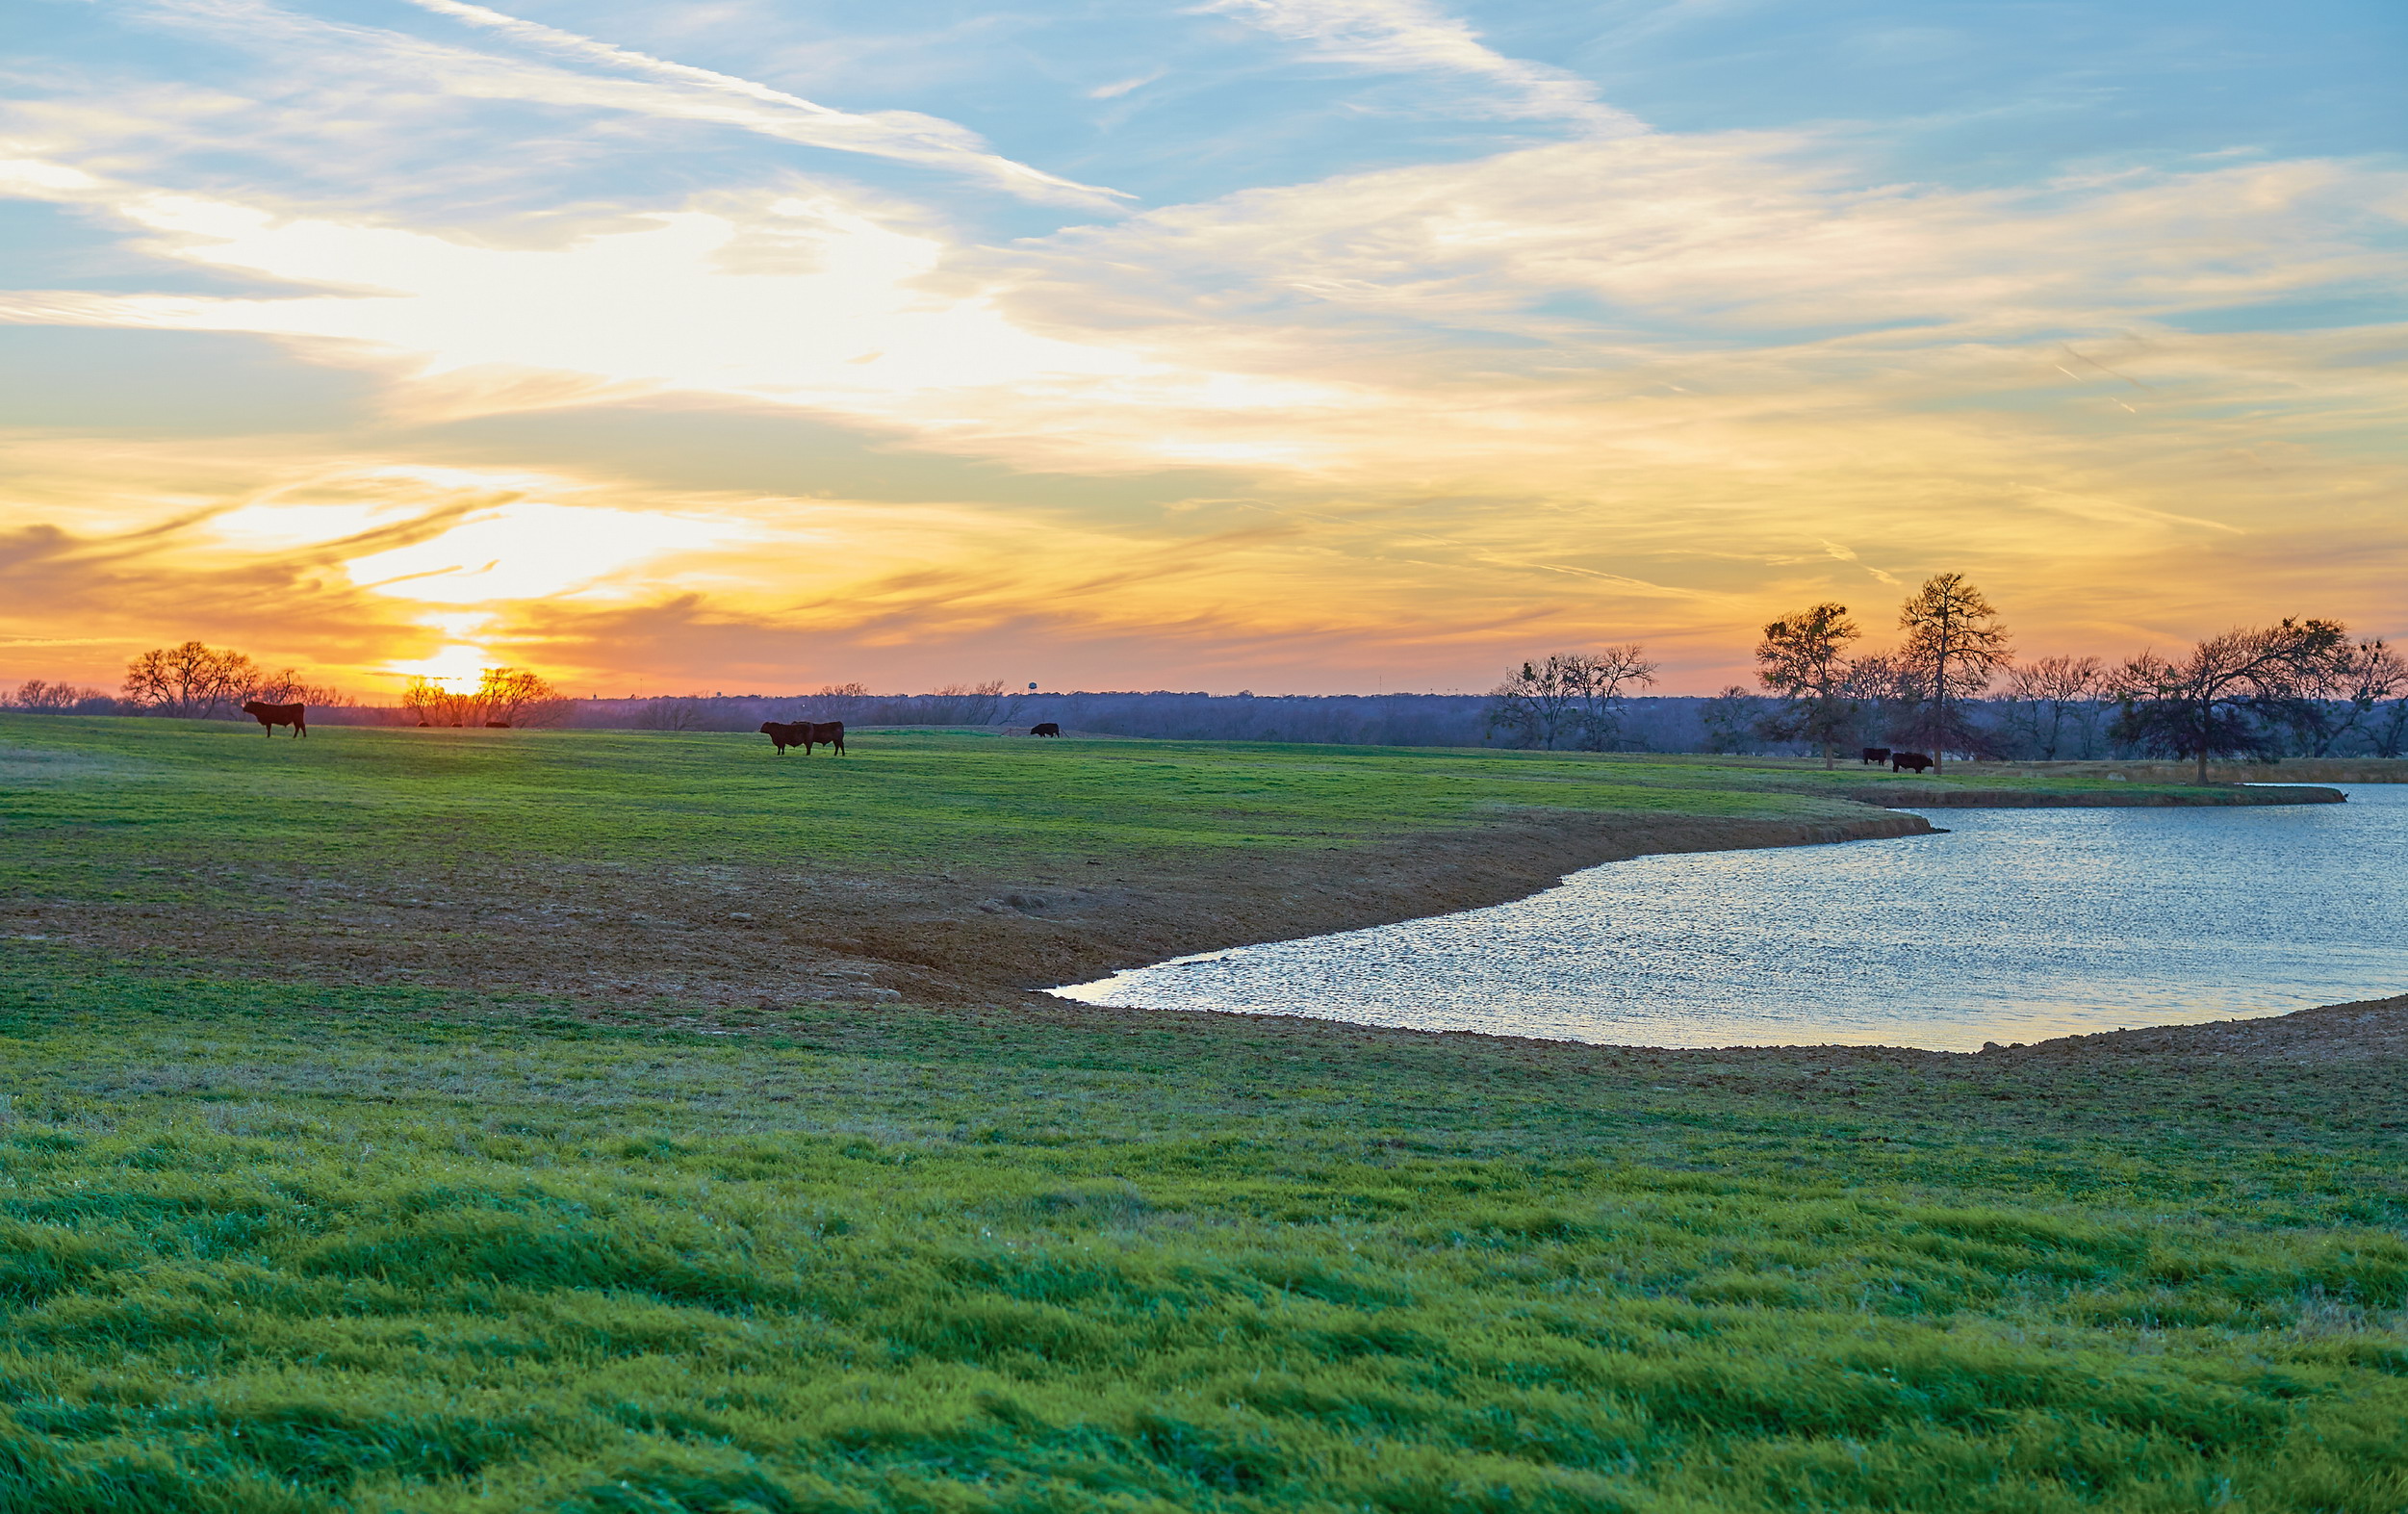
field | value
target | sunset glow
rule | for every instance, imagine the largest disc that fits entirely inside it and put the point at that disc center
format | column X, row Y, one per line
column 1280, row 344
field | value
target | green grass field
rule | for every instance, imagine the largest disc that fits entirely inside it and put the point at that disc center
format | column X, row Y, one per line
column 901, row 799
column 173, row 810
column 269, row 1246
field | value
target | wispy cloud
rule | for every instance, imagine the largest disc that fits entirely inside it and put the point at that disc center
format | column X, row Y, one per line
column 1120, row 87
column 662, row 90
column 1416, row 37
column 1847, row 554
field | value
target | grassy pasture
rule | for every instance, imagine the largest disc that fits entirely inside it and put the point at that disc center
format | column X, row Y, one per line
column 269, row 1246
column 273, row 1249
column 366, row 796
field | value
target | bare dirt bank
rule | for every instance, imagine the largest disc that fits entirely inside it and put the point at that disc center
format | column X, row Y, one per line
column 727, row 937
column 713, row 937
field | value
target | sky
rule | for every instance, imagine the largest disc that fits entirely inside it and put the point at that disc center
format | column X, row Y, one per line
column 1292, row 346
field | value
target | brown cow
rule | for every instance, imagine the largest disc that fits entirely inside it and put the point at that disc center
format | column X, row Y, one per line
column 804, row 734
column 271, row 717
column 783, row 736
column 1045, row 727
column 1909, row 761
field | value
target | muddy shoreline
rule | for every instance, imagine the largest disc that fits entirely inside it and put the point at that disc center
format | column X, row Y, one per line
column 718, row 939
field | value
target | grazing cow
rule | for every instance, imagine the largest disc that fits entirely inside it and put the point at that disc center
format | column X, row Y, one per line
column 1876, row 755
column 1045, row 727
column 271, row 717
column 1908, row 762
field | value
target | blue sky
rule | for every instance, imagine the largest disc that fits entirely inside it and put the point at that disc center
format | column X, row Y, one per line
column 1279, row 343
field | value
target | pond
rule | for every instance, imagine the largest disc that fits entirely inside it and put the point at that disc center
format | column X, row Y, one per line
column 2018, row 925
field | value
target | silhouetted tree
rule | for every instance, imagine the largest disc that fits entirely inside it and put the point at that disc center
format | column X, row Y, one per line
column 198, row 681
column 1954, row 647
column 2357, row 682
column 673, row 714
column 37, row 697
column 2220, row 700
column 966, row 704
column 502, row 696
column 192, row 681
column 1803, row 659
column 287, row 686
column 2055, row 699
column 518, row 697
column 1730, row 720
column 2387, row 734
column 1571, row 699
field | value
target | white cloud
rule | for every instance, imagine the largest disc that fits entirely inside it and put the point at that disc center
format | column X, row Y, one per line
column 667, row 90
column 1684, row 239
column 1416, row 37
column 804, row 301
column 531, row 549
column 1120, row 87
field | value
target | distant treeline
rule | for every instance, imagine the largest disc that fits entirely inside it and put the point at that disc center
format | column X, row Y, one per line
column 2013, row 728
column 1950, row 688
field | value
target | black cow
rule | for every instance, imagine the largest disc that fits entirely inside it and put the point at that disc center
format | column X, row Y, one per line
column 1909, row 762
column 1876, row 754
column 1045, row 727
column 271, row 717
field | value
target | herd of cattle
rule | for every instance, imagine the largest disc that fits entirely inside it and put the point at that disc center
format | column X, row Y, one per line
column 809, row 733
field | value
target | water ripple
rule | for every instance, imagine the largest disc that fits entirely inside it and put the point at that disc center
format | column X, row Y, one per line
column 2018, row 925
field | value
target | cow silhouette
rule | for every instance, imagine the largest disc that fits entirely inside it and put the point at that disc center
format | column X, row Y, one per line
column 1875, row 754
column 1910, row 761
column 1045, row 727
column 271, row 717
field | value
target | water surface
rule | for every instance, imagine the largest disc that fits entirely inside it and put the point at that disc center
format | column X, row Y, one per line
column 2017, row 926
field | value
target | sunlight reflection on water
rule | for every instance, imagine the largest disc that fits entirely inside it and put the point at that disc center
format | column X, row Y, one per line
column 2018, row 925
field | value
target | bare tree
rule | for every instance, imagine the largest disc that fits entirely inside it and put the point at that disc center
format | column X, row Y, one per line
column 2216, row 701
column 2358, row 680
column 1730, row 720
column 1955, row 647
column 503, row 697
column 518, row 697
column 1803, row 659
column 1572, row 698
column 672, row 714
column 2047, row 694
column 2388, row 737
column 430, row 702
column 846, row 701
column 54, row 698
column 192, row 681
column 1883, row 696
column 967, row 704
column 287, row 686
